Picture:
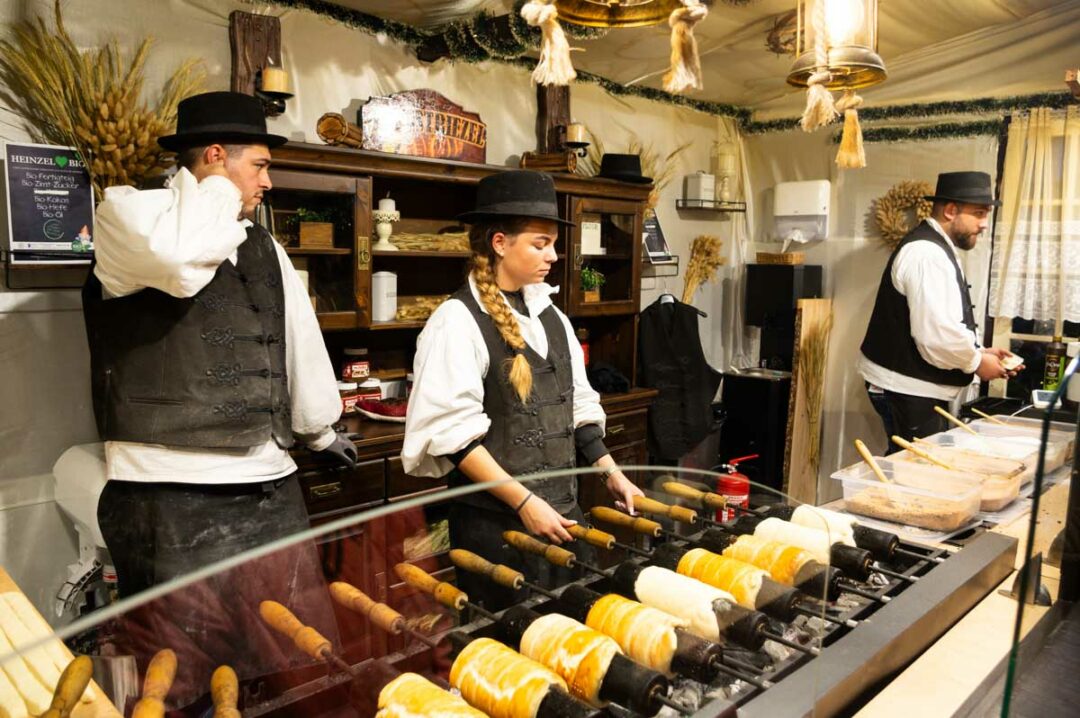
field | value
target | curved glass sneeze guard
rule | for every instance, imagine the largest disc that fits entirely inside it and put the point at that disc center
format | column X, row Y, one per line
column 327, row 621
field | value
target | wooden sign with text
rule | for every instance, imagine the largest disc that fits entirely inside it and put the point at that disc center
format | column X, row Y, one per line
column 423, row 123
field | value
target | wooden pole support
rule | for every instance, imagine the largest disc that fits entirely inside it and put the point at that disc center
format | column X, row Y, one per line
column 446, row 594
column 306, row 638
column 553, row 554
column 500, row 574
column 706, row 498
column 636, row 524
column 676, row 513
column 225, row 692
column 159, row 679
column 595, row 537
column 356, row 600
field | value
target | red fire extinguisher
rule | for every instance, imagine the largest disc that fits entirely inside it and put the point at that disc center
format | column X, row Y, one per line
column 734, row 487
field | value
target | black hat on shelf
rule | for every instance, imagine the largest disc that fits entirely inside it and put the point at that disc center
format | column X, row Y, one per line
column 220, row 117
column 965, row 187
column 625, row 168
column 517, row 193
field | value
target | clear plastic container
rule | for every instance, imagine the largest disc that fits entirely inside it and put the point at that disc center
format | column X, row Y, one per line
column 1059, row 431
column 1058, row 447
column 923, row 496
column 998, row 489
column 1020, row 451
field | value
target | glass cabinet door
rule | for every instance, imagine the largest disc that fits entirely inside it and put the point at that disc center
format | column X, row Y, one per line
column 604, row 251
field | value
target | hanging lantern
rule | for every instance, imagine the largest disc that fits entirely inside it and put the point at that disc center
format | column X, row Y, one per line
column 849, row 31
column 836, row 49
column 616, row 13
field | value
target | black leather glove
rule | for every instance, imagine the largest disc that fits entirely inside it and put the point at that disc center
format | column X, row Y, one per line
column 342, row 450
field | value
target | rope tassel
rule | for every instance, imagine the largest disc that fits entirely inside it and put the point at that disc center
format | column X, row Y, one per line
column 554, row 67
column 685, row 72
column 851, row 154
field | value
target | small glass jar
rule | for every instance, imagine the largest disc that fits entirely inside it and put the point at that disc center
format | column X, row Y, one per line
column 357, row 366
column 348, row 393
column 369, row 389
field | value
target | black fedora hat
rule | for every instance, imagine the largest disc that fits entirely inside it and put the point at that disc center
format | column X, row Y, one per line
column 517, row 193
column 625, row 168
column 220, row 117
column 964, row 187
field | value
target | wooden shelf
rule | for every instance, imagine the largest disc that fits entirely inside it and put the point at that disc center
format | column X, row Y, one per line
column 337, row 320
column 378, row 326
column 427, row 253
column 608, row 255
column 300, row 251
column 389, row 374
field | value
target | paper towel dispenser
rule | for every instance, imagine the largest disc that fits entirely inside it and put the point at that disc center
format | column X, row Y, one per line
column 801, row 211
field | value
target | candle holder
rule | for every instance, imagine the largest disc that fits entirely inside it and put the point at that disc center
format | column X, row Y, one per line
column 573, row 137
column 384, row 226
column 272, row 87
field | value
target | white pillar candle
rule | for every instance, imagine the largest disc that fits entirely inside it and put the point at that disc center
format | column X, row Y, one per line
column 387, row 205
column 274, row 79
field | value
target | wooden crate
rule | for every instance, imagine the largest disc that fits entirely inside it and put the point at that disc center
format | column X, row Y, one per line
column 781, row 257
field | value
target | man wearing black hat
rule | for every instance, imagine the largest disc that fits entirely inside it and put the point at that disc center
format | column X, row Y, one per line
column 921, row 346
column 500, row 390
column 206, row 356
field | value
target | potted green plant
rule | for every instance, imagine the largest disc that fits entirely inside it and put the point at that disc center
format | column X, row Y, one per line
column 591, row 281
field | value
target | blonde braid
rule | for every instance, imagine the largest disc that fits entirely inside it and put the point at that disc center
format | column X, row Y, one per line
column 520, row 371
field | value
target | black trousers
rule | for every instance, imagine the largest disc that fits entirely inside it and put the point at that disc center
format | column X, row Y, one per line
column 159, row 532
column 914, row 416
column 480, row 531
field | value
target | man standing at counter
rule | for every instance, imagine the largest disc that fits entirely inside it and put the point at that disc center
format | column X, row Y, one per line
column 921, row 348
column 206, row 356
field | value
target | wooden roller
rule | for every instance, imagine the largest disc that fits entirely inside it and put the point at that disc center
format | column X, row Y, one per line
column 356, row 600
column 500, row 574
column 306, row 638
column 916, row 451
column 553, row 554
column 159, row 679
column 445, row 593
column 706, row 498
column 952, row 419
column 70, row 687
column 864, row 452
column 225, row 692
column 594, row 537
column 676, row 513
column 637, row 524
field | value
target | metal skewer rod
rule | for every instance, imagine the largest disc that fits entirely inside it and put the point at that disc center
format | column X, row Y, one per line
column 807, row 611
column 674, row 705
column 811, row 650
column 894, row 574
column 921, row 557
column 848, row 588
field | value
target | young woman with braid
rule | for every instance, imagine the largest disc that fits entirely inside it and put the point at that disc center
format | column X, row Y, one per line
column 500, row 390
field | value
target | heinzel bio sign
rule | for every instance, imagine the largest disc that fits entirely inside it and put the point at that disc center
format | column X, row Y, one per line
column 50, row 205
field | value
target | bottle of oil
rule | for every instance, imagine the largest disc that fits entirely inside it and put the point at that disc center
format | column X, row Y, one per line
column 1055, row 364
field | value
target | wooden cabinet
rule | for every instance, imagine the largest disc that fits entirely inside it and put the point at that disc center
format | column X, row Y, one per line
column 606, row 239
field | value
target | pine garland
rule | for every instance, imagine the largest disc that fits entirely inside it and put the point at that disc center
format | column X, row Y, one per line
column 943, row 131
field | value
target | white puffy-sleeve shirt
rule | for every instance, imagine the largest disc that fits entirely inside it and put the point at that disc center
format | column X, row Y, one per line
column 446, row 407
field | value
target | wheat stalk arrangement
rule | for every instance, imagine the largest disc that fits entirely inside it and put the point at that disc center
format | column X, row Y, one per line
column 92, row 100
column 661, row 169
column 812, row 357
column 704, row 260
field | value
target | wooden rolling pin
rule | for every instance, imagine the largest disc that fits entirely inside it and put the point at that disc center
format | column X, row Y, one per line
column 306, row 638
column 553, row 554
column 591, row 536
column 159, row 679
column 869, row 459
column 991, row 419
column 706, row 498
column 356, row 600
column 637, row 524
column 225, row 692
column 904, row 444
column 676, row 513
column 500, row 574
column 70, row 687
column 956, row 421
column 447, row 594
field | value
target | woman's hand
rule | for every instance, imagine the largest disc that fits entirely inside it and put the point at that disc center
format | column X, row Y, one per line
column 623, row 491
column 545, row 522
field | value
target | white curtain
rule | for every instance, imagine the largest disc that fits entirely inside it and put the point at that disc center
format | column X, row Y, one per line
column 1036, row 266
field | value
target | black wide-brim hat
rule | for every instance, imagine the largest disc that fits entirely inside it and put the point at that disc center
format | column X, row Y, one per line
column 220, row 117
column 517, row 193
column 625, row 168
column 964, row 187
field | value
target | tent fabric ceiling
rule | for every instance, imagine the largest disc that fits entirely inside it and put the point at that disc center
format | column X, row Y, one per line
column 739, row 69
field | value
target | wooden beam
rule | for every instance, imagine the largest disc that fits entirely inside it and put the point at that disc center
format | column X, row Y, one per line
column 254, row 42
column 552, row 117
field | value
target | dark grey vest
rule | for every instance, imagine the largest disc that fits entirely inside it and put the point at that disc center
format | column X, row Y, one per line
column 888, row 340
column 532, row 437
column 205, row 371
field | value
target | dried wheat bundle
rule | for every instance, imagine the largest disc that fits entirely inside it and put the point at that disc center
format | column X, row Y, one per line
column 704, row 260
column 812, row 357
column 432, row 242
column 92, row 100
column 662, row 170
column 414, row 309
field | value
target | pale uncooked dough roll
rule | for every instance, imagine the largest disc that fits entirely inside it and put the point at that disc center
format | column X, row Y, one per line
column 11, row 703
column 816, row 542
column 413, row 696
column 742, row 580
column 22, row 607
column 841, row 527
column 644, row 633
column 686, row 598
column 33, row 692
column 782, row 561
column 500, row 681
column 580, row 655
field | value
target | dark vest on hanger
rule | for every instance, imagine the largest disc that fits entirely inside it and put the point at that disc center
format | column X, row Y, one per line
column 888, row 340
column 671, row 360
column 205, row 371
column 531, row 437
